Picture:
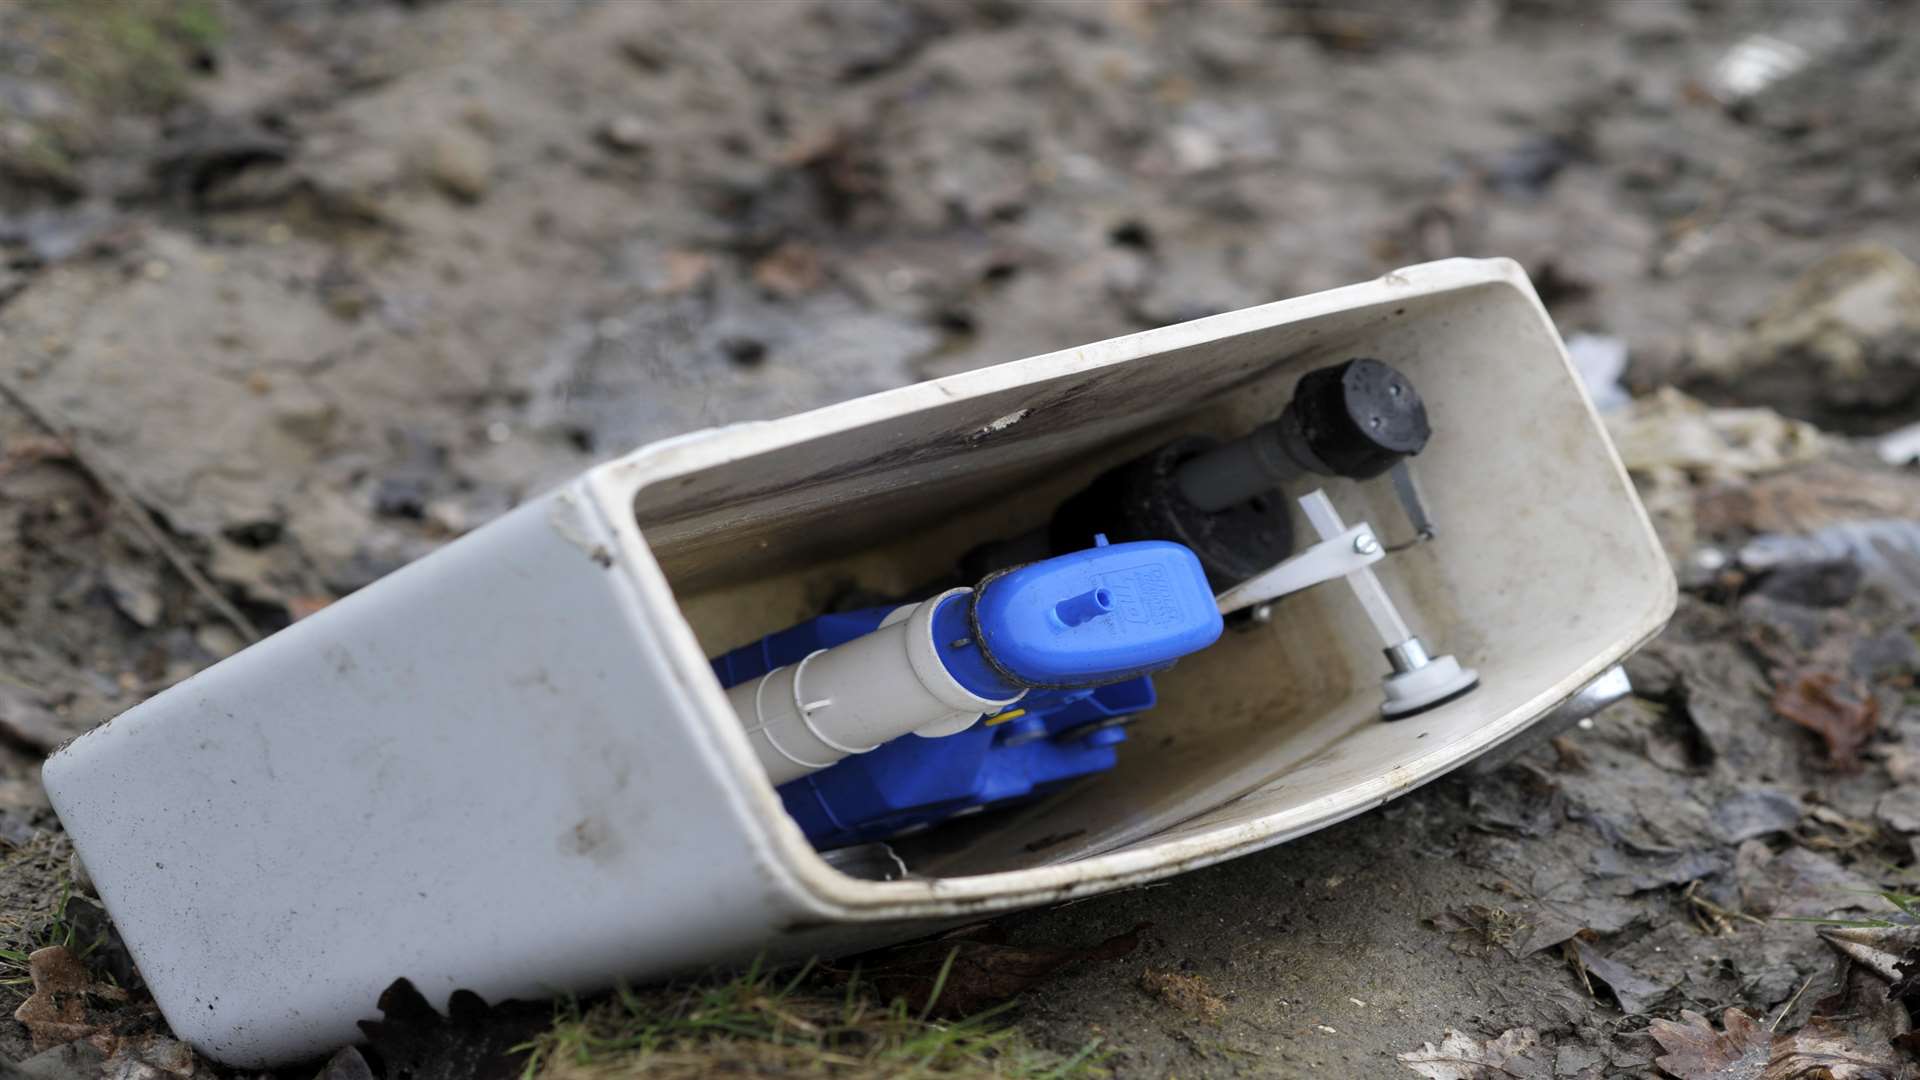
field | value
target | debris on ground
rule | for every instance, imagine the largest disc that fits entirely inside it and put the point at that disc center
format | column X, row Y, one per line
column 1674, row 444
column 1600, row 362
column 473, row 1041
column 971, row 970
column 1460, row 1057
column 1187, row 993
column 768, row 1023
column 1669, row 432
column 1695, row 1051
column 1836, row 348
column 59, row 1010
column 1746, row 1048
column 348, row 1064
column 1839, row 710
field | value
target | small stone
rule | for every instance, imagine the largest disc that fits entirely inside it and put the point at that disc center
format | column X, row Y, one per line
column 626, row 134
column 155, row 270
column 1899, row 810
column 134, row 589
column 219, row 640
column 301, row 411
column 1755, row 812
column 461, row 163
column 359, row 179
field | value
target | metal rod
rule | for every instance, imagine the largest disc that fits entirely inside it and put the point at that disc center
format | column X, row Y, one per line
column 1366, row 586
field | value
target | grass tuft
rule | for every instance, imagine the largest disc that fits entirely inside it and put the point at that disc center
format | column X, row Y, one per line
column 1907, row 903
column 757, row 1023
column 56, row 929
column 130, row 54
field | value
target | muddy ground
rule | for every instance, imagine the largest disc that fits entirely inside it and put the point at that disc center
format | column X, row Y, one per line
column 298, row 291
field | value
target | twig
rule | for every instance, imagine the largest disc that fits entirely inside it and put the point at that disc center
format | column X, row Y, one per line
column 1704, row 909
column 137, row 511
column 1788, row 1007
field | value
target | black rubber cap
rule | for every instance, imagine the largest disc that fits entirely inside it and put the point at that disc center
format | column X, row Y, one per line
column 1358, row 418
column 1141, row 500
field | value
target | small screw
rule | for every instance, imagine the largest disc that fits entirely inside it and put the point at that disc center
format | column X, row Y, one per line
column 1365, row 544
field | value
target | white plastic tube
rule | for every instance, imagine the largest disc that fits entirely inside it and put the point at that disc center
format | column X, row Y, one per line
column 854, row 697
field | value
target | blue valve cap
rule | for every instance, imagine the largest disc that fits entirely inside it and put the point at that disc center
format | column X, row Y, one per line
column 1099, row 615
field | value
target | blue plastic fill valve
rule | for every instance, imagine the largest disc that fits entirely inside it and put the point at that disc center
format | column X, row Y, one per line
column 1043, row 635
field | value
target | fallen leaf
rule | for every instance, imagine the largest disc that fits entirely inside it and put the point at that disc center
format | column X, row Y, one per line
column 1745, row 1050
column 23, row 450
column 26, row 723
column 1821, row 1051
column 1799, row 883
column 1694, row 1051
column 1840, row 710
column 962, row 973
column 1756, row 811
column 134, row 589
column 474, row 1041
column 1899, row 809
column 67, row 1004
column 1632, row 990
column 789, row 271
column 56, row 1012
column 684, row 271
column 1459, row 1057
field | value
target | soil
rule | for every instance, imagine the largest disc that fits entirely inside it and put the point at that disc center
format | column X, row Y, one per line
column 298, row 292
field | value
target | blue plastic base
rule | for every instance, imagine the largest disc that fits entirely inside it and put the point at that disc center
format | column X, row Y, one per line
column 1047, row 739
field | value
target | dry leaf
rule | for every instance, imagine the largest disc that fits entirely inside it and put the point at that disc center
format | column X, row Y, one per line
column 1879, row 949
column 684, row 271
column 22, row 450
column 789, row 271
column 58, row 1011
column 1745, row 1050
column 1821, row 1051
column 1694, row 1051
column 1841, row 711
column 1460, row 1057
column 1633, row 991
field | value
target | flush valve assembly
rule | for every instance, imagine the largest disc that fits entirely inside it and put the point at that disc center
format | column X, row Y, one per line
column 878, row 722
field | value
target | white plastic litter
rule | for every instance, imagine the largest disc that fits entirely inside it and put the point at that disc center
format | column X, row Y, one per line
column 1900, row 447
column 1887, row 552
column 1601, row 361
